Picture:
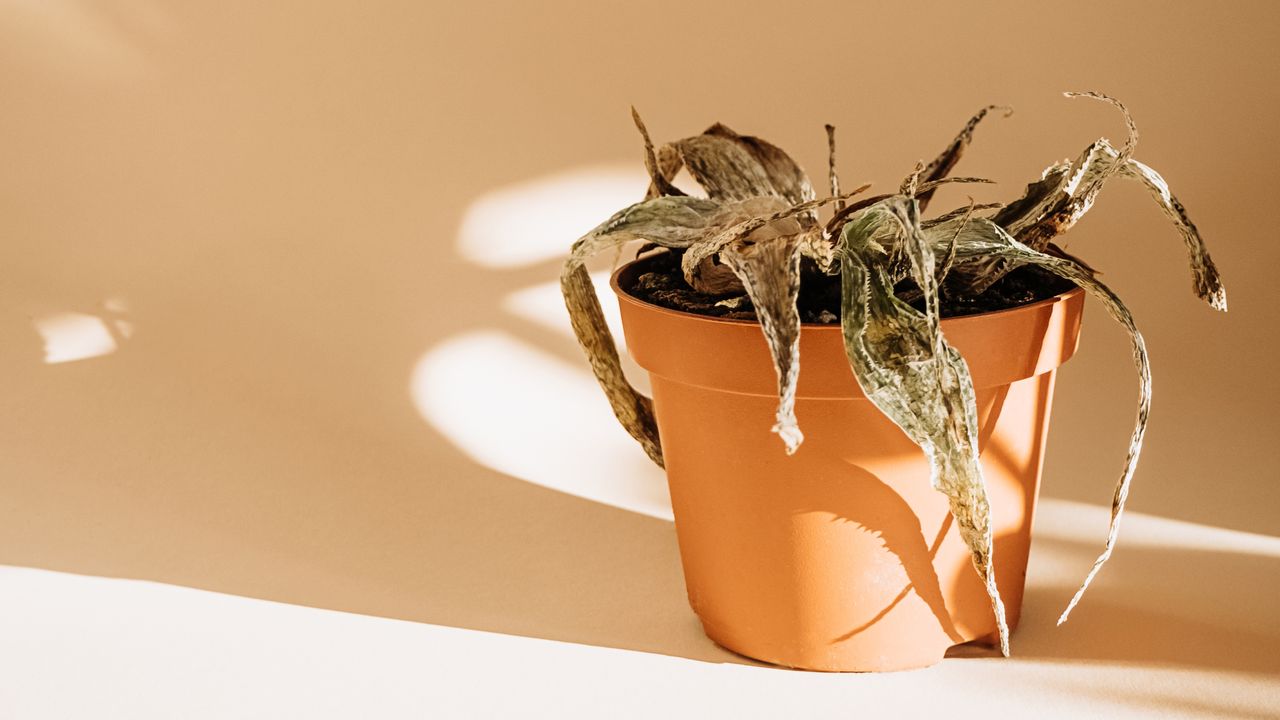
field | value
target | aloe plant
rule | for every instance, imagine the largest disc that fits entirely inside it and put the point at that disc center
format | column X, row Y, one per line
column 759, row 223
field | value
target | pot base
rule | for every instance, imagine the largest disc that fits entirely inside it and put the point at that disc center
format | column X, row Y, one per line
column 914, row 658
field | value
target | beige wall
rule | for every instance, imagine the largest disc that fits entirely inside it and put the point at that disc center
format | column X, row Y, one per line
column 271, row 194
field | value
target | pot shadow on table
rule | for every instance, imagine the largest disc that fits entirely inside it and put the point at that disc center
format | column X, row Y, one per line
column 1152, row 607
column 1150, row 604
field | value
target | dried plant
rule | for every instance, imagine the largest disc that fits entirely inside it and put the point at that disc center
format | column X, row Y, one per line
column 759, row 224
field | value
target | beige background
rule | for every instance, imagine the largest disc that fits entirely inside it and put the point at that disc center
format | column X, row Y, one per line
column 270, row 197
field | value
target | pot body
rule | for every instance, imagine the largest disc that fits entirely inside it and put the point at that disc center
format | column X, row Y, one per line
column 841, row 557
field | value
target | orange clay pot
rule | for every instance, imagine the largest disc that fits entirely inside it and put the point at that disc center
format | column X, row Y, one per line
column 842, row 556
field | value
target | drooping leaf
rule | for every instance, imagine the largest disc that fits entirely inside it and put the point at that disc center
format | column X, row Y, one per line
column 1206, row 283
column 735, row 220
column 1051, row 194
column 633, row 410
column 982, row 238
column 673, row 222
column 770, row 272
column 906, row 367
column 763, row 252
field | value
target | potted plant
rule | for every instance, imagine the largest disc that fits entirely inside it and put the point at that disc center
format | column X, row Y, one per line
column 930, row 347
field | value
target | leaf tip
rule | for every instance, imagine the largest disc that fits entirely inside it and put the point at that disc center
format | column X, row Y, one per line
column 790, row 433
column 1075, row 599
column 635, row 118
column 1218, row 300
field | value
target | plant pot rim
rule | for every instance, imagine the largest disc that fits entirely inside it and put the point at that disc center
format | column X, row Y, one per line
column 625, row 296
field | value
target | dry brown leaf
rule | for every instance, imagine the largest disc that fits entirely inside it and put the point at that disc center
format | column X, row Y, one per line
column 951, row 155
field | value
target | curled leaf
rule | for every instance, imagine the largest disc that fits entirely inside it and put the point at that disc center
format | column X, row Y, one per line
column 1051, row 194
column 733, row 167
column 1037, row 200
column 1207, row 284
column 1084, row 184
column 785, row 176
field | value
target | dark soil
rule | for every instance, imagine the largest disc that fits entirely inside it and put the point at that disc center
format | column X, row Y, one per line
column 660, row 282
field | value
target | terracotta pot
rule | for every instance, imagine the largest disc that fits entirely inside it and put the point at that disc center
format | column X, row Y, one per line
column 842, row 556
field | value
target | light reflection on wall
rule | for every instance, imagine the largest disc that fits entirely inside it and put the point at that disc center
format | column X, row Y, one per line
column 534, row 221
column 543, row 304
column 531, row 415
column 70, row 336
column 514, row 406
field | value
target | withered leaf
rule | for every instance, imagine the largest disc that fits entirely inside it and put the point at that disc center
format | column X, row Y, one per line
column 672, row 222
column 770, row 272
column 1083, row 185
column 659, row 185
column 763, row 251
column 757, row 218
column 906, row 367
column 951, row 154
column 833, row 177
column 785, row 177
column 982, row 238
column 1065, row 193
column 1207, row 284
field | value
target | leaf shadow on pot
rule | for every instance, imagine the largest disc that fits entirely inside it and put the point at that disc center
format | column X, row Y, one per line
column 909, row 544
column 869, row 503
column 932, row 594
